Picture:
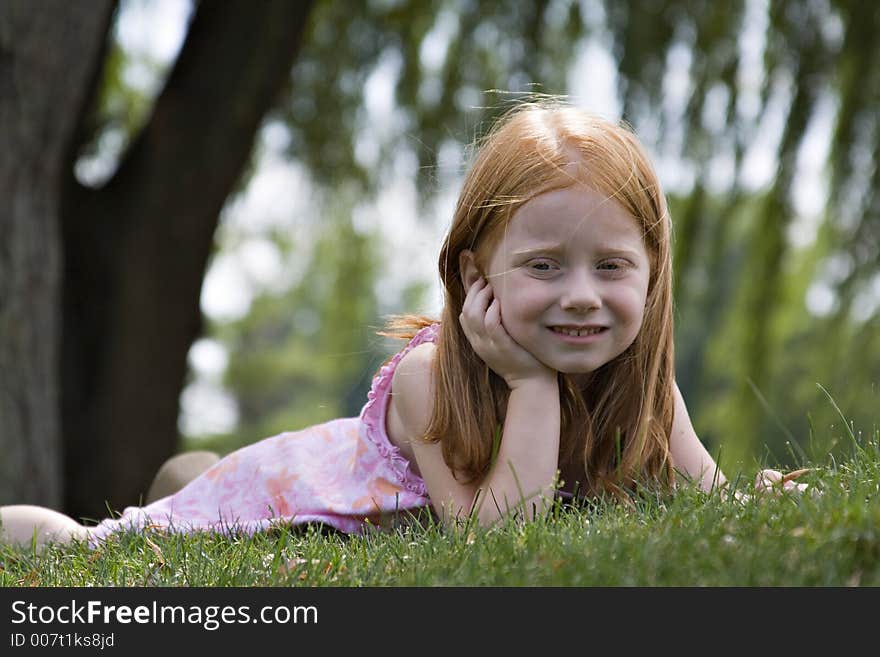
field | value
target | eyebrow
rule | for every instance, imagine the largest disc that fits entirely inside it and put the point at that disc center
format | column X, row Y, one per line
column 558, row 248
column 544, row 248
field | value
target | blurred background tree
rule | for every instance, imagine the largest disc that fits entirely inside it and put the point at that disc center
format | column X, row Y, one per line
column 762, row 117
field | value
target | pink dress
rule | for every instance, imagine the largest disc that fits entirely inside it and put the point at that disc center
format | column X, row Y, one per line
column 343, row 473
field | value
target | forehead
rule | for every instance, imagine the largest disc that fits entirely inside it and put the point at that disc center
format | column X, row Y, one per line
column 573, row 214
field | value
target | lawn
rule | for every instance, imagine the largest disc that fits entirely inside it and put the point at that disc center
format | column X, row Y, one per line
column 829, row 538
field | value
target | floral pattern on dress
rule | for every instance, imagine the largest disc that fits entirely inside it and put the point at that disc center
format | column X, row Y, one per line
column 344, row 473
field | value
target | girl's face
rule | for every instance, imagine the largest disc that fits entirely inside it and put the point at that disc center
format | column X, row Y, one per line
column 571, row 276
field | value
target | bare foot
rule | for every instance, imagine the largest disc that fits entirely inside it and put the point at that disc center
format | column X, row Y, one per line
column 178, row 471
column 22, row 523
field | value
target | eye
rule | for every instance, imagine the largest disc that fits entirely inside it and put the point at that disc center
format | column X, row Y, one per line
column 614, row 265
column 542, row 267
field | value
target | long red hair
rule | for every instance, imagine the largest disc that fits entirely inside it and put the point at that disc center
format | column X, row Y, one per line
column 614, row 429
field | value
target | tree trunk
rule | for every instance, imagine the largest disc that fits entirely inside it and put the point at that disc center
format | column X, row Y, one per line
column 136, row 250
column 48, row 54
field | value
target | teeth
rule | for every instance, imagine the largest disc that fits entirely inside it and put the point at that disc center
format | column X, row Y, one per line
column 577, row 332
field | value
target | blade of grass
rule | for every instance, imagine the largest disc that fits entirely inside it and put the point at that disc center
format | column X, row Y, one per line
column 849, row 430
column 775, row 417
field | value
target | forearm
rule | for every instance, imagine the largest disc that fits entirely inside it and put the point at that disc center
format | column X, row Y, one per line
column 689, row 456
column 524, row 472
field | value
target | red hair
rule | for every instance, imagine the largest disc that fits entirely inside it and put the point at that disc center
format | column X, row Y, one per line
column 616, row 427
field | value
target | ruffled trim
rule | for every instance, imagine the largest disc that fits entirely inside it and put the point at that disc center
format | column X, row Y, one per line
column 373, row 414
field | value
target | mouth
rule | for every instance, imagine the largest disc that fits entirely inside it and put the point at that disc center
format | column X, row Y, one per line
column 578, row 331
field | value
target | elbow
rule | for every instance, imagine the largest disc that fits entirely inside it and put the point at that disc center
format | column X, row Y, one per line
column 489, row 510
column 486, row 508
column 478, row 509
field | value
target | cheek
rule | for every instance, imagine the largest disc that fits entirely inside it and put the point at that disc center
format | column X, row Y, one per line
column 630, row 307
column 521, row 299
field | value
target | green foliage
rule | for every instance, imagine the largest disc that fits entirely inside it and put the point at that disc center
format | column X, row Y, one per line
column 749, row 349
column 305, row 355
column 690, row 539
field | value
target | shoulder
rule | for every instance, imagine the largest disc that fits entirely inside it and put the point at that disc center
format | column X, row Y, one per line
column 417, row 361
column 410, row 410
column 412, row 391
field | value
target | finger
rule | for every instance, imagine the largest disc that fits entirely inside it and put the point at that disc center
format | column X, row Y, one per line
column 766, row 486
column 481, row 300
column 472, row 292
column 793, row 487
column 477, row 300
column 493, row 318
column 768, row 477
column 772, row 475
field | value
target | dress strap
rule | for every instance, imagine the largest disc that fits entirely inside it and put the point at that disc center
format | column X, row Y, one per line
column 373, row 412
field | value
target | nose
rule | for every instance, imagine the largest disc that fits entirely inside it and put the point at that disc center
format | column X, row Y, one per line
column 581, row 292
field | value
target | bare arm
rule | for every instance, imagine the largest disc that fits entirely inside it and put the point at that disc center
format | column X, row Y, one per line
column 689, row 456
column 525, row 469
column 524, row 472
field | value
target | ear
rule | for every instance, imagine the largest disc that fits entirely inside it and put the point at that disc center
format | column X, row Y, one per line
column 468, row 269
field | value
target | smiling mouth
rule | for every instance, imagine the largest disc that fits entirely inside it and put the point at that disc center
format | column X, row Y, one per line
column 578, row 332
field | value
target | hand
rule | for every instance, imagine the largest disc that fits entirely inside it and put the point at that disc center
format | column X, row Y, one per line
column 482, row 325
column 776, row 482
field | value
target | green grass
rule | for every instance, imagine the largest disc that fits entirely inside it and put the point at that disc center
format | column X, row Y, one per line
column 689, row 539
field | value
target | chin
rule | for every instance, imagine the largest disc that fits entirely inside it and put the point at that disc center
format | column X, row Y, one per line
column 583, row 367
column 574, row 369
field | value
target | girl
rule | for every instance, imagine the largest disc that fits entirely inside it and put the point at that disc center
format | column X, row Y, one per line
column 550, row 370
